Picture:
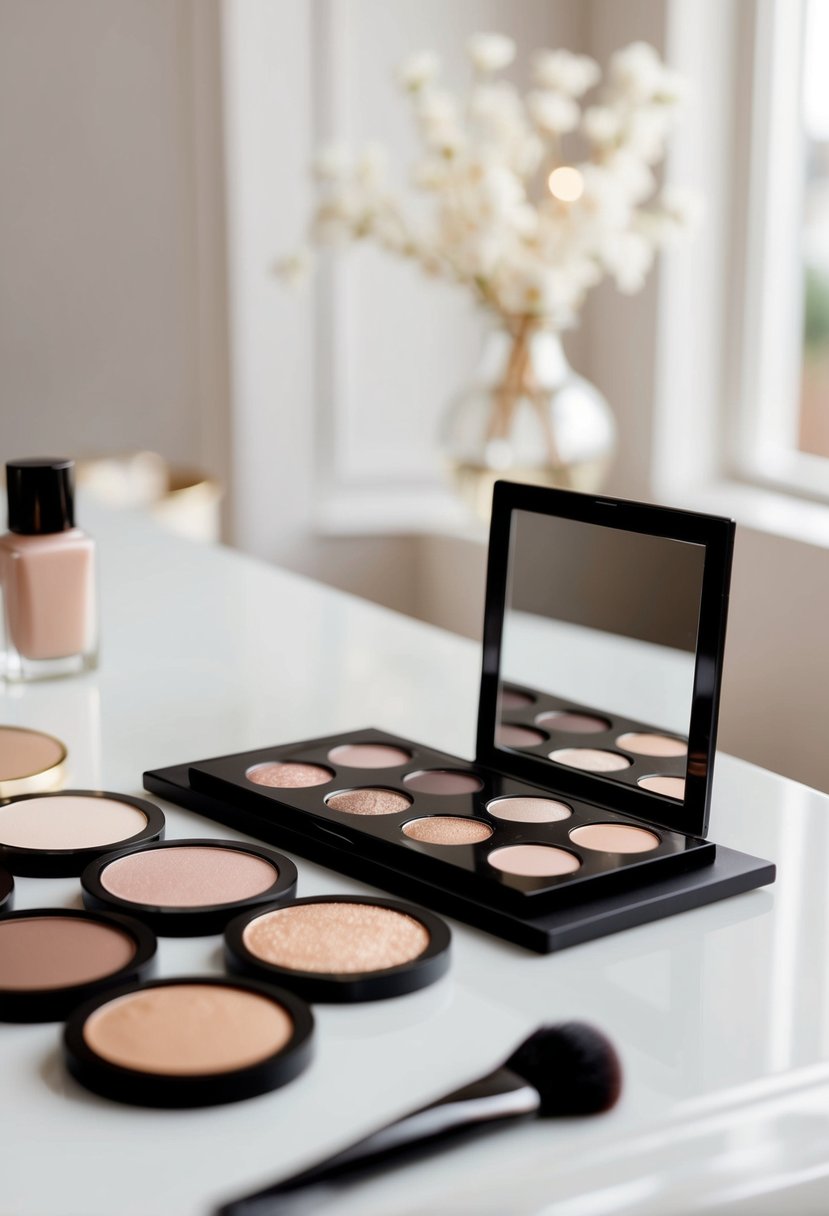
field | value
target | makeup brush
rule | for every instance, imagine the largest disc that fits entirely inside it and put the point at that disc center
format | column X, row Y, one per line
column 564, row 1070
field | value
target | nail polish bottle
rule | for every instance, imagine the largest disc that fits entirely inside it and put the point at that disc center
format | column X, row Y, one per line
column 47, row 573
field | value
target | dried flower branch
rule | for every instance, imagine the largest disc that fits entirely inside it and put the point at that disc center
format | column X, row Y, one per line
column 525, row 222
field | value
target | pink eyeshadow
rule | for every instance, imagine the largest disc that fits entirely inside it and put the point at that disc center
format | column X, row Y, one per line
column 573, row 723
column 368, row 755
column 443, row 781
column 509, row 735
column 512, row 699
column 534, row 860
column 615, row 838
column 187, row 877
column 671, row 787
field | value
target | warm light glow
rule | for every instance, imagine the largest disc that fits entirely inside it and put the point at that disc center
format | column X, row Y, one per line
column 566, row 183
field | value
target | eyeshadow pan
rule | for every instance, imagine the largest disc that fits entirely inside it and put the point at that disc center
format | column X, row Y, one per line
column 188, row 1029
column 572, row 722
column 614, row 838
column 46, row 952
column 29, row 761
column 447, row 830
column 333, row 937
column 369, row 801
column 187, row 877
column 190, row 1041
column 288, row 774
column 510, row 735
column 591, row 759
column 534, row 860
column 526, row 809
column 671, row 787
column 68, row 821
column 368, row 755
column 512, row 699
column 646, row 744
column 188, row 888
column 443, row 781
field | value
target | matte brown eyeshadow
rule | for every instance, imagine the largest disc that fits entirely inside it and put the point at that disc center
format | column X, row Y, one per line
column 57, row 952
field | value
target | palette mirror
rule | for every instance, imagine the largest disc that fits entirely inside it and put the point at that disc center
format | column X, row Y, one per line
column 599, row 670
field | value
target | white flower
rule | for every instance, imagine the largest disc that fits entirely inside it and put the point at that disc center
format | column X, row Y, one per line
column 371, row 166
column 604, row 203
column 436, row 106
column 418, row 70
column 646, row 131
column 564, row 72
column 496, row 104
column 627, row 256
column 553, row 113
column 331, row 163
column 295, row 268
column 637, row 71
column 679, row 210
column 672, row 88
column 490, row 52
column 601, row 125
column 631, row 173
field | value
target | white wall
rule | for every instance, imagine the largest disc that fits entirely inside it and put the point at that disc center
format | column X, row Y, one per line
column 110, row 219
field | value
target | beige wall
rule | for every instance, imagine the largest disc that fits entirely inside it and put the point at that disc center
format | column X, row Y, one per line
column 105, row 339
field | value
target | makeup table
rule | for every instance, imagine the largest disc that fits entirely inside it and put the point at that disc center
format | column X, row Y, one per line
column 721, row 1015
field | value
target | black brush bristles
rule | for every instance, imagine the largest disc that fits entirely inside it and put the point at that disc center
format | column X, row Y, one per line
column 573, row 1066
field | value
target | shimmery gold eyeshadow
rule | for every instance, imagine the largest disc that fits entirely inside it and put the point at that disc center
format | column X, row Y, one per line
column 591, row 759
column 369, row 801
column 644, row 744
column 336, row 938
column 188, row 1029
column 447, row 830
column 671, row 787
column 288, row 775
column 614, row 838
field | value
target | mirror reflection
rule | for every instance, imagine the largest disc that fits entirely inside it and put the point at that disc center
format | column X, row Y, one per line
column 599, row 649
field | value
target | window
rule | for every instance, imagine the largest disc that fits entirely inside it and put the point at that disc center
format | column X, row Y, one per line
column 783, row 433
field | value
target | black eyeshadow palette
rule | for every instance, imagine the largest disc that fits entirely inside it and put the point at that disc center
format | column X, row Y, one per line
column 544, row 932
column 571, row 822
column 592, row 740
column 467, row 826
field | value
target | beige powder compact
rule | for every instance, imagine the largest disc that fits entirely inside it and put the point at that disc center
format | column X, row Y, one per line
column 189, row 1041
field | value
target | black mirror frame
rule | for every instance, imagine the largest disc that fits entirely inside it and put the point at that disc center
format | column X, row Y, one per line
column 716, row 534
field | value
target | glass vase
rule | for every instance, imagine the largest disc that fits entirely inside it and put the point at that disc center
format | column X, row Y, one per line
column 526, row 416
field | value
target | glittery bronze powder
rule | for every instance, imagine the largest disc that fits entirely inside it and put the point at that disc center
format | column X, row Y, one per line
column 369, row 802
column 446, row 829
column 336, row 938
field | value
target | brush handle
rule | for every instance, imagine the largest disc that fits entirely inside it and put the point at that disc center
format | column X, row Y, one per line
column 495, row 1099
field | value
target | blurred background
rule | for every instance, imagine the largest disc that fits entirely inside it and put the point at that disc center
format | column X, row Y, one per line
column 155, row 158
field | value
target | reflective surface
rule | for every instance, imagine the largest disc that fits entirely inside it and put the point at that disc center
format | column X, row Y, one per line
column 599, row 646
column 721, row 1015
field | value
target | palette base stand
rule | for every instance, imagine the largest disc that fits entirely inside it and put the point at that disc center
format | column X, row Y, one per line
column 731, row 873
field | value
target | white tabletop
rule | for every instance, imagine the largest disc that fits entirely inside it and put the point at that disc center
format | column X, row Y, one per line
column 720, row 1014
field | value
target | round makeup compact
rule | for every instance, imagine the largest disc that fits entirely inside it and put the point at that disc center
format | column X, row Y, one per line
column 341, row 948
column 192, row 1041
column 29, row 761
column 184, row 888
column 56, row 835
column 51, row 959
